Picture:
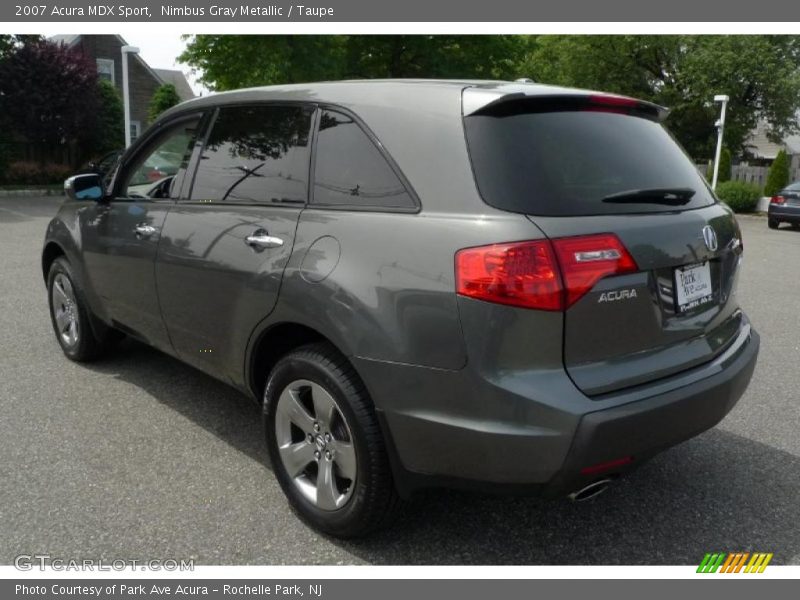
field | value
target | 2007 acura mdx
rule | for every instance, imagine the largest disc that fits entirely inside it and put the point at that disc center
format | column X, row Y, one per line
column 503, row 285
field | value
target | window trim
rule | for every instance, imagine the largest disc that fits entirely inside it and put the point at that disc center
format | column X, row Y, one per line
column 213, row 112
column 321, row 106
column 143, row 143
column 107, row 61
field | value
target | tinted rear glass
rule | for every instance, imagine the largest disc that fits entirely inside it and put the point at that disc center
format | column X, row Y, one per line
column 351, row 171
column 565, row 163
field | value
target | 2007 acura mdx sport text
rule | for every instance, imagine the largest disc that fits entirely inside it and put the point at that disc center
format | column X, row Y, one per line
column 462, row 283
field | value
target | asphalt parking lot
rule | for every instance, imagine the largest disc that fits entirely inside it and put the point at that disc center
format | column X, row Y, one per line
column 140, row 456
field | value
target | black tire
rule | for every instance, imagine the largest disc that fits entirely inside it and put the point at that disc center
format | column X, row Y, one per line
column 88, row 345
column 773, row 223
column 373, row 500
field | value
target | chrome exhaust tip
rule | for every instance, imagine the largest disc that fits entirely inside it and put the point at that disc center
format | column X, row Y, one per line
column 590, row 491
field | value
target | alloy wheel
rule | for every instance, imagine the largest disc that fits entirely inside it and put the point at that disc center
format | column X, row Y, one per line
column 65, row 310
column 315, row 444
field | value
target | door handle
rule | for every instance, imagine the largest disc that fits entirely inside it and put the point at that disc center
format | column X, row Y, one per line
column 260, row 239
column 144, row 231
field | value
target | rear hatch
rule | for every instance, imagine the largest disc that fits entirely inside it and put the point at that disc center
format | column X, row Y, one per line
column 648, row 257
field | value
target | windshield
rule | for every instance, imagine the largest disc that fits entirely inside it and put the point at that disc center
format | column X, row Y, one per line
column 562, row 163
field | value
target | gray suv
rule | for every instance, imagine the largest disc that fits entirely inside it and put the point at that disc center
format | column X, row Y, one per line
column 507, row 286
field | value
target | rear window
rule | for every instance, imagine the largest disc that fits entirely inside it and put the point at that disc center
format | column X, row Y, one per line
column 565, row 163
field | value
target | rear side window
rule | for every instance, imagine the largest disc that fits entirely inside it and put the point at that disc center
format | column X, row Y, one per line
column 351, row 171
column 256, row 154
column 564, row 163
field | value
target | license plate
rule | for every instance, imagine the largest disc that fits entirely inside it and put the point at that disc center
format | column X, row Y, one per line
column 692, row 286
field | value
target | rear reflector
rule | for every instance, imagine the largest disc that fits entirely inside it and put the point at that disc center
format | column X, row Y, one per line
column 777, row 200
column 540, row 274
column 604, row 467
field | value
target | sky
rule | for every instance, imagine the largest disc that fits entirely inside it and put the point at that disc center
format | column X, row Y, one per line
column 161, row 51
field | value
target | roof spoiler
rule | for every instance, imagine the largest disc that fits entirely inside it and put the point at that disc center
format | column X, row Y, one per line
column 512, row 99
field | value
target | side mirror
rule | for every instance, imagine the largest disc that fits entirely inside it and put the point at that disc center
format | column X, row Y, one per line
column 84, row 187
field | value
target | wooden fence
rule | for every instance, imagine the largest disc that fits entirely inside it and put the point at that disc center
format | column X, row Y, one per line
column 752, row 173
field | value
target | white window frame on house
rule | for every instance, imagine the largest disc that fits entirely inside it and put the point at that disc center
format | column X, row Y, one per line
column 107, row 65
column 136, row 130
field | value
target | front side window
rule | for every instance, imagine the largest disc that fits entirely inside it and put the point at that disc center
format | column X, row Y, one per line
column 157, row 172
column 351, row 171
column 256, row 154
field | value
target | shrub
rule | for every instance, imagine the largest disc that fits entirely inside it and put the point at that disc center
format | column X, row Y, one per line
column 32, row 173
column 778, row 175
column 741, row 197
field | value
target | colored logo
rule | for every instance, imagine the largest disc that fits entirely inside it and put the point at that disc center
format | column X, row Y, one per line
column 735, row 562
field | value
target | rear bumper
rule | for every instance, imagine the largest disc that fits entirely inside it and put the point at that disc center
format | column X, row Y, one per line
column 644, row 428
column 784, row 212
column 540, row 445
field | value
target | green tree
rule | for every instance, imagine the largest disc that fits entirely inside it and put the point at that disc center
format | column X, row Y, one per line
column 279, row 59
column 110, row 130
column 758, row 72
column 778, row 175
column 440, row 56
column 165, row 97
column 270, row 59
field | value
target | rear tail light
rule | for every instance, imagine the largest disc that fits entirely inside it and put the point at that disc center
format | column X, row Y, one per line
column 521, row 274
column 540, row 274
column 777, row 200
column 585, row 260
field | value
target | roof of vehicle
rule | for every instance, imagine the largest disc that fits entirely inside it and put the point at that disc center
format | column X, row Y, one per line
column 386, row 92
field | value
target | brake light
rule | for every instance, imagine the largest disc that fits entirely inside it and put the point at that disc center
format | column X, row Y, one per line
column 521, row 274
column 604, row 100
column 777, row 200
column 585, row 260
column 540, row 274
column 612, row 104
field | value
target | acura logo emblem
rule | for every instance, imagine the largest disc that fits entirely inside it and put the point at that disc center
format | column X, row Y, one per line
column 710, row 238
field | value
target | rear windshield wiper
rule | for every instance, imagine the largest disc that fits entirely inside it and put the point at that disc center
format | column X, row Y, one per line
column 668, row 196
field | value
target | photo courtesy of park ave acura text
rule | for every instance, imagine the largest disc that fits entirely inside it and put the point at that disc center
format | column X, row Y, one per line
column 399, row 299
